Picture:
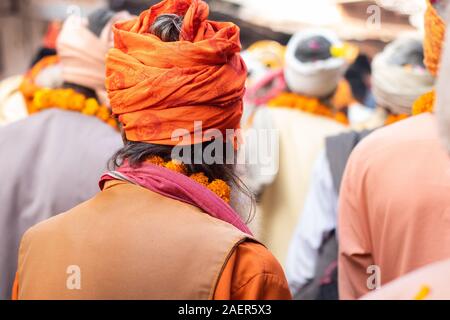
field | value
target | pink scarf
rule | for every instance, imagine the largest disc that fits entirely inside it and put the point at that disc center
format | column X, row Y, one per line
column 276, row 84
column 179, row 187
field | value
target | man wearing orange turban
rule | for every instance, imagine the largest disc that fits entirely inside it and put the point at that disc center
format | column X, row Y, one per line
column 394, row 195
column 160, row 228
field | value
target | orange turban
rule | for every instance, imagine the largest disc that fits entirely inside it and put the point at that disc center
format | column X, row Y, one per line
column 156, row 87
column 434, row 38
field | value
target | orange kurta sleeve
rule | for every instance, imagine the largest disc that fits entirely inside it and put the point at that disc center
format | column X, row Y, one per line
column 252, row 273
column 15, row 289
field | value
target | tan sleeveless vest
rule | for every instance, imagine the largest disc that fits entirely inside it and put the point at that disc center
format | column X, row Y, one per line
column 126, row 243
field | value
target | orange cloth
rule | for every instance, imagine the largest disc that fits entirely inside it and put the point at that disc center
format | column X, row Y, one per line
column 434, row 38
column 51, row 35
column 252, row 273
column 156, row 87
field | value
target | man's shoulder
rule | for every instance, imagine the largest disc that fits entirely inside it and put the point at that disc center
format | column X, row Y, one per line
column 390, row 139
column 54, row 225
column 255, row 256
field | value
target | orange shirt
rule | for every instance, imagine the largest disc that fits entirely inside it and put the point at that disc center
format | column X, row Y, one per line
column 252, row 273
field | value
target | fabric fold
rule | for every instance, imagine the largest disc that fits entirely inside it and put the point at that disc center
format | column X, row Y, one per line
column 178, row 187
column 157, row 87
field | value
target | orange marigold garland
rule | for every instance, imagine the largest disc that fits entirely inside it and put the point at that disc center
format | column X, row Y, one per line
column 425, row 103
column 176, row 166
column 219, row 187
column 393, row 118
column 38, row 98
column 69, row 99
column 307, row 104
column 200, row 178
column 28, row 86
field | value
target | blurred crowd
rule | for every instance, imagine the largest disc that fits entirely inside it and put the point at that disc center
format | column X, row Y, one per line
column 336, row 185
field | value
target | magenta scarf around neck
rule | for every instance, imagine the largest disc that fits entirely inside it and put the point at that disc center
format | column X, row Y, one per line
column 179, row 187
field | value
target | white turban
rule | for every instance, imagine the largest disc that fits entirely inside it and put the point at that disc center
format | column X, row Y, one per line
column 318, row 78
column 395, row 87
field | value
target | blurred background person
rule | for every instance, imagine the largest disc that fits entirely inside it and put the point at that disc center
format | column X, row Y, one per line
column 57, row 154
column 304, row 102
column 393, row 195
column 431, row 282
column 399, row 78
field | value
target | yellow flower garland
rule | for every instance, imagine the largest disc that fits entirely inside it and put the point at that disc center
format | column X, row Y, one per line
column 38, row 98
column 307, row 104
column 219, row 187
column 425, row 103
column 393, row 118
column 69, row 99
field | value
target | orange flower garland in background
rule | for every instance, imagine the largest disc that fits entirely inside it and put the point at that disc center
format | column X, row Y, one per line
column 28, row 87
column 307, row 104
column 69, row 99
column 434, row 38
column 393, row 118
column 38, row 98
column 219, row 187
column 425, row 103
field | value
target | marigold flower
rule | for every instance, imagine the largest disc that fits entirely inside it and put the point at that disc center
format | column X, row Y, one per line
column 200, row 178
column 61, row 98
column 423, row 293
column 77, row 102
column 176, row 166
column 156, row 160
column 42, row 99
column 307, row 104
column 113, row 123
column 425, row 103
column 103, row 113
column 221, row 189
column 341, row 117
column 91, row 107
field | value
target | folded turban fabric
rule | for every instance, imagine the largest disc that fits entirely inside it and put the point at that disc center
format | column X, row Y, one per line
column 82, row 53
column 318, row 78
column 396, row 87
column 156, row 87
column 434, row 37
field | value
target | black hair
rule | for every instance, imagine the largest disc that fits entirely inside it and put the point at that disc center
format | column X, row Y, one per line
column 356, row 75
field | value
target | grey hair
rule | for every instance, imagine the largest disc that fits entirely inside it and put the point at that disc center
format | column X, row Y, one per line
column 167, row 27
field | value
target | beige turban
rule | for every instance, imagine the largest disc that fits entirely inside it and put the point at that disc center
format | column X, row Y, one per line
column 83, row 54
column 394, row 86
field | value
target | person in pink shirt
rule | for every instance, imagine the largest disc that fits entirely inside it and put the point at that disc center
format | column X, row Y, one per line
column 394, row 210
column 431, row 282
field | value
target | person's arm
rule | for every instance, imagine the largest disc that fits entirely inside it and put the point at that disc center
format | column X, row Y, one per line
column 317, row 220
column 353, row 232
column 252, row 273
